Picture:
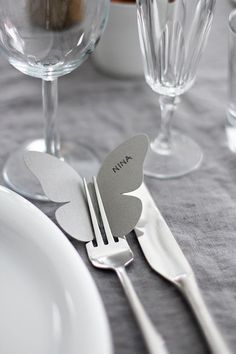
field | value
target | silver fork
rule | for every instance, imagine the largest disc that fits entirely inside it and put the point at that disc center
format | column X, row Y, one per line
column 116, row 255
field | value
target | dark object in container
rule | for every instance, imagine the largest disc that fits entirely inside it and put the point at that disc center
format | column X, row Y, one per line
column 56, row 14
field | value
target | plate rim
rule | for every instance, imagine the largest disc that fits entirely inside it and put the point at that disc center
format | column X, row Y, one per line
column 76, row 262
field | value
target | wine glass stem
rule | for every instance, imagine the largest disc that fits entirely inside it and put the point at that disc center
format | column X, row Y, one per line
column 162, row 144
column 50, row 104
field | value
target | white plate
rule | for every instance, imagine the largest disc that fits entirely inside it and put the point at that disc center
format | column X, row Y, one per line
column 48, row 301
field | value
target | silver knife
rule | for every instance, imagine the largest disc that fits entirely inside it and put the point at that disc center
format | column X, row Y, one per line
column 164, row 255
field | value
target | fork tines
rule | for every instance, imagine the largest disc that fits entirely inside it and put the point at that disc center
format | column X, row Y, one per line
column 97, row 231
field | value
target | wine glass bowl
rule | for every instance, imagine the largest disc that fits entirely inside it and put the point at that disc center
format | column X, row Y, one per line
column 173, row 35
column 47, row 39
column 41, row 41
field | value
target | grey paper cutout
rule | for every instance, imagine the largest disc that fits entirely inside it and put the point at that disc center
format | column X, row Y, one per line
column 62, row 184
column 122, row 172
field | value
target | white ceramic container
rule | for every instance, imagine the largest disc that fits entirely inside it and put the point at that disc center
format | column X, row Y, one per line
column 118, row 52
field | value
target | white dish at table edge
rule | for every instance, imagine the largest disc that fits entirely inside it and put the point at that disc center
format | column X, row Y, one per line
column 49, row 303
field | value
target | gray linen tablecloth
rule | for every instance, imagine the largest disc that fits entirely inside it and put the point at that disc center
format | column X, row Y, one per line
column 199, row 208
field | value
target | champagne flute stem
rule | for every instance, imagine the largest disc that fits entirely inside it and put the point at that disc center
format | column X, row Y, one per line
column 162, row 144
column 50, row 104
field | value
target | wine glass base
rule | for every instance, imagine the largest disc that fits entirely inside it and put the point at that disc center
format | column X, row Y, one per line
column 184, row 156
column 20, row 179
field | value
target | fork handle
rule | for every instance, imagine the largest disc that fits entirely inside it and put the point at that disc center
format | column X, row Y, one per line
column 154, row 342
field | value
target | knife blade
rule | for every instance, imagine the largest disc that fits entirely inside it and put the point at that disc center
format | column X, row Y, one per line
column 157, row 242
column 164, row 255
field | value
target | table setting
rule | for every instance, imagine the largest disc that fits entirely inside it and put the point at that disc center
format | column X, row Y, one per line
column 118, row 222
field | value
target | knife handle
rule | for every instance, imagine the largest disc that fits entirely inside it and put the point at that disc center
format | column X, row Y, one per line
column 191, row 291
column 154, row 342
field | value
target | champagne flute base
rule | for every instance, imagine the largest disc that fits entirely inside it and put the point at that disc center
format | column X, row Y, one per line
column 183, row 157
column 20, row 179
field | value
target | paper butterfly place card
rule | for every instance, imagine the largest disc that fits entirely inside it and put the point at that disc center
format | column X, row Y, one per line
column 119, row 176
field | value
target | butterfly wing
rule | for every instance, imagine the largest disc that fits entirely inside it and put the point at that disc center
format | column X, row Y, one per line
column 120, row 174
column 62, row 184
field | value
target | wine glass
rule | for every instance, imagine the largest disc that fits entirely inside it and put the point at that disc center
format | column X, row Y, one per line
column 48, row 39
column 172, row 34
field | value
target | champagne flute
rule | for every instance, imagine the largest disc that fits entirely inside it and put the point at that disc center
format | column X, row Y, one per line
column 172, row 34
column 48, row 39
